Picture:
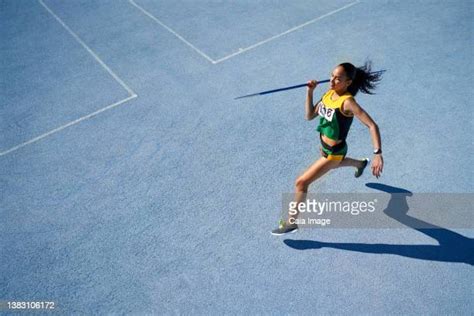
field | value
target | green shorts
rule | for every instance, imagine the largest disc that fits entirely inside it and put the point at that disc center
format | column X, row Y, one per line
column 337, row 152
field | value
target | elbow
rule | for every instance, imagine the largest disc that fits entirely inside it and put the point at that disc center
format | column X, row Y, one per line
column 373, row 126
column 308, row 117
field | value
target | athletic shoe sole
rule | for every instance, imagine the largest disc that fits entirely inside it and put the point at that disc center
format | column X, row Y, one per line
column 290, row 232
column 360, row 171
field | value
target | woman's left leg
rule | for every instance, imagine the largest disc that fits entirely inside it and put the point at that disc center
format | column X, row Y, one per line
column 349, row 162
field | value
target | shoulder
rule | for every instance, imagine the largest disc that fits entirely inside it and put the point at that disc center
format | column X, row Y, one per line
column 350, row 106
column 350, row 101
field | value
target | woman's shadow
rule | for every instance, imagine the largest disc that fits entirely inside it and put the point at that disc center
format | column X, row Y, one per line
column 452, row 247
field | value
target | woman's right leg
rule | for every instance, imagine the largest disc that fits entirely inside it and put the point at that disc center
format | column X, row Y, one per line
column 314, row 172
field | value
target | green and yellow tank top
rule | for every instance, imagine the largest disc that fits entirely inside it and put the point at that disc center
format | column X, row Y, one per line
column 333, row 123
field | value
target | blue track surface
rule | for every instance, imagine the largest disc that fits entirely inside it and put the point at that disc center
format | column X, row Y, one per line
column 132, row 182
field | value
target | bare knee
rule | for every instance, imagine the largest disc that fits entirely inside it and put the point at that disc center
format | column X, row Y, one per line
column 302, row 184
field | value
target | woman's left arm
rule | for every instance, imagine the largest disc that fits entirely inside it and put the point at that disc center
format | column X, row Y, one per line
column 350, row 105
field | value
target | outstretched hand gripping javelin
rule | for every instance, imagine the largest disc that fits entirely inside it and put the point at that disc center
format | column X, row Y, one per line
column 288, row 88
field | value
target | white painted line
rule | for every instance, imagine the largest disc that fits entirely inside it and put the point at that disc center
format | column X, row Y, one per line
column 242, row 50
column 130, row 91
column 97, row 58
column 172, row 31
column 34, row 140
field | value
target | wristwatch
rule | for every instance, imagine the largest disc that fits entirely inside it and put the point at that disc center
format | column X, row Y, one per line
column 377, row 151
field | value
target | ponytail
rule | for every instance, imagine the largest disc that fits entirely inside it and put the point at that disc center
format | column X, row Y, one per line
column 362, row 78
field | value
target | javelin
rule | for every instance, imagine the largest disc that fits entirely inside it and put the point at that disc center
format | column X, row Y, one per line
column 288, row 88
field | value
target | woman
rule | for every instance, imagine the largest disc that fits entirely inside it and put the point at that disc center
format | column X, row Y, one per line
column 336, row 110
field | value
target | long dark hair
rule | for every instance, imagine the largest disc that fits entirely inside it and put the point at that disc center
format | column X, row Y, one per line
column 362, row 78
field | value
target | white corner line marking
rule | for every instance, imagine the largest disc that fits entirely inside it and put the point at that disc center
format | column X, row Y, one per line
column 133, row 95
column 243, row 50
column 171, row 31
column 130, row 91
column 67, row 125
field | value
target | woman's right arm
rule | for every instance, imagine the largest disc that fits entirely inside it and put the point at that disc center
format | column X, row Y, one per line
column 311, row 110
